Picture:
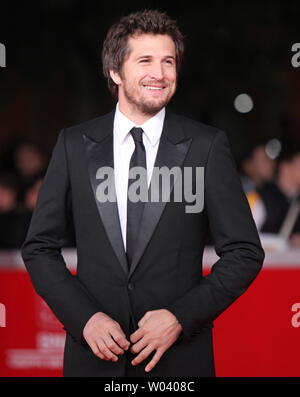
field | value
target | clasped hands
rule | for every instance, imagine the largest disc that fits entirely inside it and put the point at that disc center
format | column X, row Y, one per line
column 158, row 330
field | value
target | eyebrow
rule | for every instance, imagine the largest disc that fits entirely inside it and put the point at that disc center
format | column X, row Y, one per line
column 170, row 57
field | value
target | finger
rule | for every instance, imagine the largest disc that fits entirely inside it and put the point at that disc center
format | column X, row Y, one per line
column 157, row 356
column 137, row 335
column 108, row 354
column 138, row 346
column 112, row 345
column 143, row 355
column 93, row 345
column 120, row 339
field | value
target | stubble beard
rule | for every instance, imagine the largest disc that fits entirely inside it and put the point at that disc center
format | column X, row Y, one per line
column 144, row 106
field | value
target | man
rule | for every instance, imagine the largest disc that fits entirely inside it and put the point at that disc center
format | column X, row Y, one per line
column 138, row 305
column 279, row 196
column 257, row 167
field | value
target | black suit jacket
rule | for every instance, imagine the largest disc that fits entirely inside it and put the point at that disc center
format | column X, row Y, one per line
column 167, row 267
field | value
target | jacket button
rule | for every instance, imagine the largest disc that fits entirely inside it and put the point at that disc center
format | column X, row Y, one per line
column 130, row 286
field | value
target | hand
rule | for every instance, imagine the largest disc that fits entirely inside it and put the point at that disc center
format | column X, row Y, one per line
column 158, row 330
column 105, row 337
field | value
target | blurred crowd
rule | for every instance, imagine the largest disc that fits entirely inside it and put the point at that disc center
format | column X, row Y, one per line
column 272, row 187
column 22, row 171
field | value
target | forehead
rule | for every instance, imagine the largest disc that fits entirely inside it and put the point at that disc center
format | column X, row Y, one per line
column 151, row 44
column 260, row 152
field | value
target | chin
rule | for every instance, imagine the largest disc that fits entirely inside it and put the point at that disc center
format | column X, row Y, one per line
column 152, row 107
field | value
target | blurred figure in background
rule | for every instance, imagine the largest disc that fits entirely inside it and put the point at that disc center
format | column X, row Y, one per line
column 15, row 215
column 31, row 194
column 29, row 161
column 25, row 164
column 257, row 168
column 278, row 196
column 10, row 234
column 8, row 193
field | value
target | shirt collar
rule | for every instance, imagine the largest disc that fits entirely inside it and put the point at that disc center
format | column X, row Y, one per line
column 152, row 127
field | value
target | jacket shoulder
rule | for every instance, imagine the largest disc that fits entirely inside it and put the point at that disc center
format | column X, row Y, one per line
column 196, row 129
column 90, row 127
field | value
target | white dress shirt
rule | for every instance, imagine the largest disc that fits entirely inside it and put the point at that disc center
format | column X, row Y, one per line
column 123, row 145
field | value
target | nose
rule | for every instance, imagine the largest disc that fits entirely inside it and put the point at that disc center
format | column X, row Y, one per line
column 157, row 71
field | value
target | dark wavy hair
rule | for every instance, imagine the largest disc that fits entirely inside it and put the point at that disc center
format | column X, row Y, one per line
column 115, row 46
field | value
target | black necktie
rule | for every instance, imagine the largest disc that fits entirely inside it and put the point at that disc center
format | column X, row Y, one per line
column 134, row 209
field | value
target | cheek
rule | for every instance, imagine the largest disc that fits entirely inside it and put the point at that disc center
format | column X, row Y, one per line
column 174, row 85
column 138, row 79
column 172, row 78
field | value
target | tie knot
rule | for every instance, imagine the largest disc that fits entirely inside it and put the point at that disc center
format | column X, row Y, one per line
column 137, row 134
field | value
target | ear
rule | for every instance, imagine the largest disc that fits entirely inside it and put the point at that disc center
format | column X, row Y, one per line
column 115, row 77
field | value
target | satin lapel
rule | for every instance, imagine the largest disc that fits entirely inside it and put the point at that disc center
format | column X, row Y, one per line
column 171, row 153
column 99, row 150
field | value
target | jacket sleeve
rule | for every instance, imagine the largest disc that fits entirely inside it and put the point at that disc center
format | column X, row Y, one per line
column 235, row 238
column 48, row 233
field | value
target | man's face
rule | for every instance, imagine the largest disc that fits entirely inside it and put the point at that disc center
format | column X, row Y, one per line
column 263, row 165
column 295, row 170
column 147, row 81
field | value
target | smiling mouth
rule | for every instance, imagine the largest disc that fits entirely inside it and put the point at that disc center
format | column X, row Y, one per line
column 154, row 87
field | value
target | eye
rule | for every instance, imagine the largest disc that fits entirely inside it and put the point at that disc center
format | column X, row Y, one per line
column 169, row 61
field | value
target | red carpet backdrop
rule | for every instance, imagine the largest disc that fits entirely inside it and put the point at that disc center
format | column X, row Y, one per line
column 257, row 336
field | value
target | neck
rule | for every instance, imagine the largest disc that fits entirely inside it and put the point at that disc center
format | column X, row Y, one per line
column 135, row 115
column 257, row 181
